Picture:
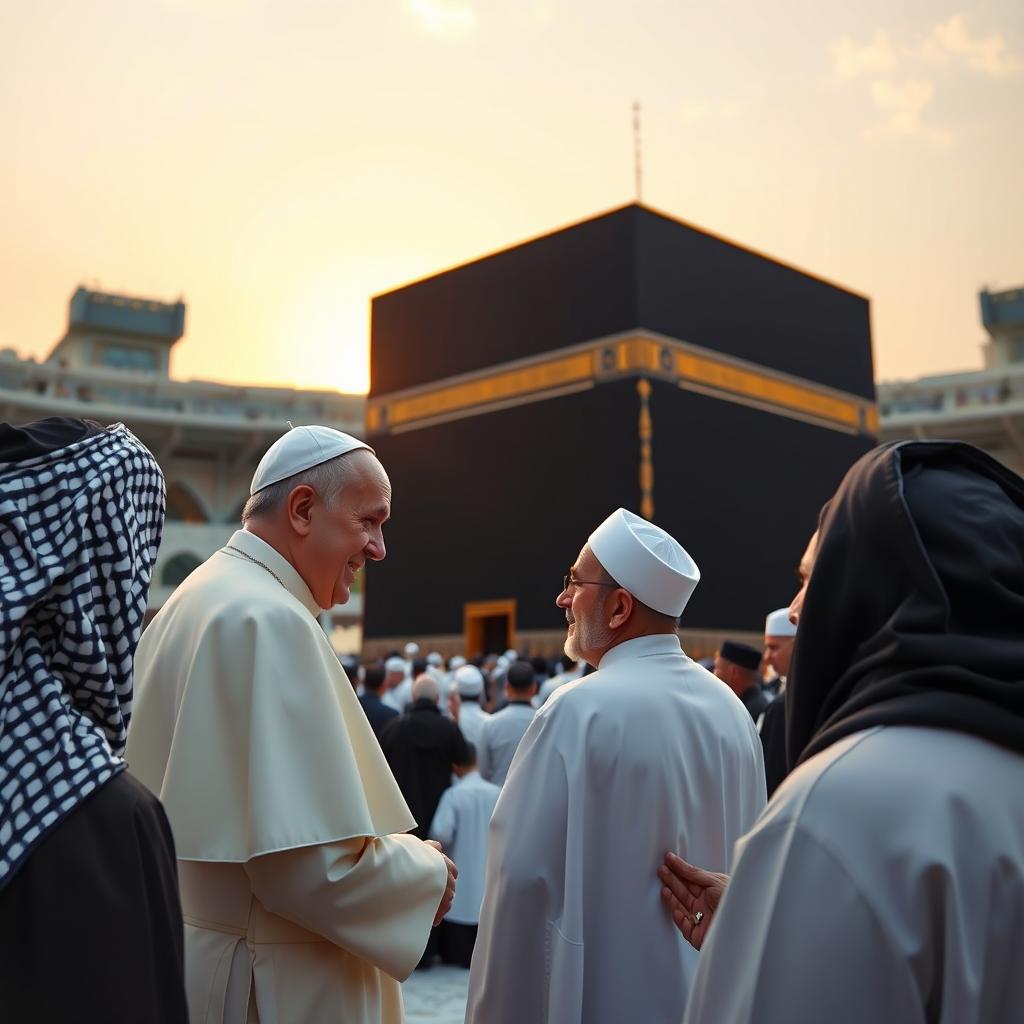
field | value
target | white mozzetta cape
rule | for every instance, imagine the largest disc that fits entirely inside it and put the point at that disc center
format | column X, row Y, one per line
column 885, row 882
column 650, row 754
column 300, row 902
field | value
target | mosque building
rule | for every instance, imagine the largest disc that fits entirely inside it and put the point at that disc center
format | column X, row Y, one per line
column 113, row 364
column 984, row 407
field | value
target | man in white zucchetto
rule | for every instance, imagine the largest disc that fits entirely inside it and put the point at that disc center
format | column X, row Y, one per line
column 649, row 751
column 303, row 898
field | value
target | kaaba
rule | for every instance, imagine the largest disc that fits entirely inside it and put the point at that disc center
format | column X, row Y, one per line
column 628, row 360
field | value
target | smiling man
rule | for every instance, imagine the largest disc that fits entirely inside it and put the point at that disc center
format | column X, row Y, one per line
column 303, row 900
column 649, row 751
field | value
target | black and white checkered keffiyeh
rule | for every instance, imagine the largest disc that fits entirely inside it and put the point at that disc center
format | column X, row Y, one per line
column 79, row 532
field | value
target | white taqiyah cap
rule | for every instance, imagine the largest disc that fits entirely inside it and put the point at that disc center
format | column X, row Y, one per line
column 470, row 681
column 456, row 662
column 646, row 561
column 435, row 659
column 412, row 649
column 300, row 449
column 395, row 665
column 777, row 623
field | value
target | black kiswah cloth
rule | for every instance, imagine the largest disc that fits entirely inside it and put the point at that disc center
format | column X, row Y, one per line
column 81, row 512
column 914, row 612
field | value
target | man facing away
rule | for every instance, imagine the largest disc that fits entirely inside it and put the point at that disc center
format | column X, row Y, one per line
column 302, row 901
column 649, row 750
column 501, row 733
column 736, row 665
column 460, row 826
column 421, row 745
column 469, row 682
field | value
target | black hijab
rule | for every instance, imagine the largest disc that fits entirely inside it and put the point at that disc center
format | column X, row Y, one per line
column 914, row 613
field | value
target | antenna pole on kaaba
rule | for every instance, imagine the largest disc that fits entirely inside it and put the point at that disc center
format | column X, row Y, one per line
column 638, row 155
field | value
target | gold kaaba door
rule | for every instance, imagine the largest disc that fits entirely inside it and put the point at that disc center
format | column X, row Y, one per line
column 489, row 626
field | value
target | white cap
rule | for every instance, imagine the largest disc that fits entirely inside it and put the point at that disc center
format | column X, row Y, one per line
column 778, row 624
column 646, row 561
column 456, row 662
column 470, row 681
column 510, row 655
column 435, row 659
column 395, row 665
column 412, row 649
column 300, row 449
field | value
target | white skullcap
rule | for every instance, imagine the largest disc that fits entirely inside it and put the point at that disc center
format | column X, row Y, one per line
column 510, row 655
column 778, row 624
column 300, row 449
column 412, row 649
column 395, row 664
column 470, row 681
column 646, row 561
column 435, row 659
column 456, row 662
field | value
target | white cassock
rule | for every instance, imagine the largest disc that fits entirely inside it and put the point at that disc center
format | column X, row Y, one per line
column 885, row 882
column 652, row 753
column 460, row 825
column 301, row 901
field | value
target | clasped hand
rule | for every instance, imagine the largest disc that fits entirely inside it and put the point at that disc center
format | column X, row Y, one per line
column 449, row 892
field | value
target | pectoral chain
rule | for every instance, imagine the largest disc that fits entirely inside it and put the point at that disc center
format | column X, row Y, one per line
column 255, row 561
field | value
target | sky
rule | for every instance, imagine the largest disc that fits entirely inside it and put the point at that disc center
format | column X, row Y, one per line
column 278, row 164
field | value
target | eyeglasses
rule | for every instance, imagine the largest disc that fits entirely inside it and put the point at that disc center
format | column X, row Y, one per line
column 568, row 580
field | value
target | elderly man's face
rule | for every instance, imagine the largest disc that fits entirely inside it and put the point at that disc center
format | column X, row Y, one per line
column 344, row 536
column 585, row 605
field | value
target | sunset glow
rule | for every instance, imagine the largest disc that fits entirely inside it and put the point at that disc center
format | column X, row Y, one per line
column 279, row 164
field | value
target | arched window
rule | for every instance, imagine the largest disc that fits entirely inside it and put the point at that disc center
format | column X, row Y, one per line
column 182, row 505
column 177, row 567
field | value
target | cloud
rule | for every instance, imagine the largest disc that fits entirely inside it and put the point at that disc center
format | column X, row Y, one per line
column 948, row 43
column 851, row 60
column 904, row 103
column 988, row 55
column 446, row 18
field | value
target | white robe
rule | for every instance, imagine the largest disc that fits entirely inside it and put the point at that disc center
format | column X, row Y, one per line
column 471, row 721
column 652, row 753
column 301, row 902
column 460, row 825
column 500, row 737
column 885, row 882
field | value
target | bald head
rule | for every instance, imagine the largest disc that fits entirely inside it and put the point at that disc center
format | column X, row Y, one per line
column 425, row 686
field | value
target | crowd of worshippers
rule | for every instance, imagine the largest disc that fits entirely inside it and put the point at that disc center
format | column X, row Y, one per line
column 204, row 821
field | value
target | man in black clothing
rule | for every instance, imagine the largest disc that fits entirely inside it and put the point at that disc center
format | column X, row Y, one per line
column 421, row 746
column 378, row 714
column 736, row 665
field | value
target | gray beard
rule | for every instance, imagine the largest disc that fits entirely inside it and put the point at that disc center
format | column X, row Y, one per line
column 591, row 638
